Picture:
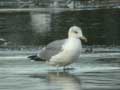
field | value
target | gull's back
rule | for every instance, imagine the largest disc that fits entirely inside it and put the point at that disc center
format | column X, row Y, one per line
column 51, row 49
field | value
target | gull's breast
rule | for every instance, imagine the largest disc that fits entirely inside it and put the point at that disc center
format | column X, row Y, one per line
column 71, row 51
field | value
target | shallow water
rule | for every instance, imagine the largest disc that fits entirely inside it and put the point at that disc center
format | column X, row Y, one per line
column 91, row 72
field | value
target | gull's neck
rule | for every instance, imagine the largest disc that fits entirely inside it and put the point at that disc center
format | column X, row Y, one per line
column 72, row 38
column 72, row 43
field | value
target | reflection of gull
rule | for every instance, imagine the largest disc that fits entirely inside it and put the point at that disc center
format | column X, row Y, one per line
column 62, row 52
column 64, row 81
column 61, row 80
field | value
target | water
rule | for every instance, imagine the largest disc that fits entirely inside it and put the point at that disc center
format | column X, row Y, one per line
column 97, row 71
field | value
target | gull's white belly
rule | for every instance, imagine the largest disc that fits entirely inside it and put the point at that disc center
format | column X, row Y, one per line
column 70, row 53
column 63, row 58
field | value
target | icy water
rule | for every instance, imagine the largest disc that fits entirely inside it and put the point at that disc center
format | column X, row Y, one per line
column 99, row 71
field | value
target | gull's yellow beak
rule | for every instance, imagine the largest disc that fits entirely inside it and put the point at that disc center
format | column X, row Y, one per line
column 84, row 38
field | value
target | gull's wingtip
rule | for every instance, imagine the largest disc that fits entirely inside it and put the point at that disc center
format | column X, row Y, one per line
column 35, row 58
column 32, row 57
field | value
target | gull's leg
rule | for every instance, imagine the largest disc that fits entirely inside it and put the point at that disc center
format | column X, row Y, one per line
column 64, row 67
column 68, row 68
column 57, row 69
column 71, row 67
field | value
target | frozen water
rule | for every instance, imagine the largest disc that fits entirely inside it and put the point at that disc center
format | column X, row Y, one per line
column 94, row 71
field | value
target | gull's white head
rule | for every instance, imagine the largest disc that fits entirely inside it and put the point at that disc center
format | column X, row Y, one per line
column 76, row 32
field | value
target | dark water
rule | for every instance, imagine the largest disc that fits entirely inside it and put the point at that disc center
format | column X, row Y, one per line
column 99, row 26
column 91, row 72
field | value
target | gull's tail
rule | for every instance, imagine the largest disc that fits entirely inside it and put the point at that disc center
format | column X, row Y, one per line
column 35, row 58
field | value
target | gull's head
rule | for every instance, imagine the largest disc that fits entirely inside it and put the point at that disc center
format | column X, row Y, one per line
column 76, row 32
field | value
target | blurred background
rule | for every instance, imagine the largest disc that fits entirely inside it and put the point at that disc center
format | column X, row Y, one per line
column 38, row 22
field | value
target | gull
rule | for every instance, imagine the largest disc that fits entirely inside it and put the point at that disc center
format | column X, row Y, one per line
column 61, row 53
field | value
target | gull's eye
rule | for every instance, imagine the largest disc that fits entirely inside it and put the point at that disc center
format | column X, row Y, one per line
column 75, row 32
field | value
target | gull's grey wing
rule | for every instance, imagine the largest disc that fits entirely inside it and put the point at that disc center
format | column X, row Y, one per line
column 51, row 49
